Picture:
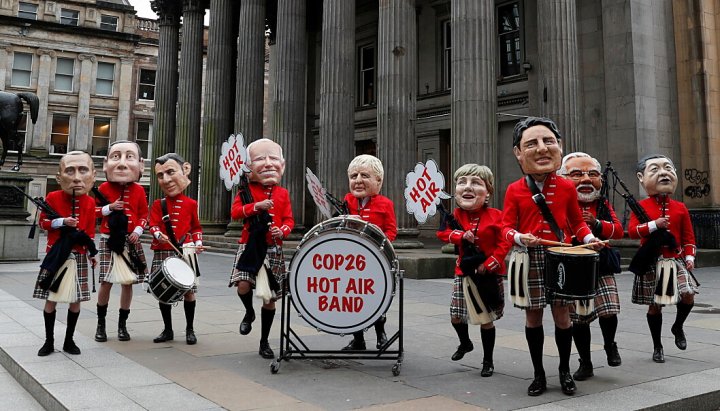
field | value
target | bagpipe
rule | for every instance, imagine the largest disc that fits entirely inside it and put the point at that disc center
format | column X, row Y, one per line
column 254, row 255
column 59, row 262
column 125, row 259
column 609, row 257
column 480, row 290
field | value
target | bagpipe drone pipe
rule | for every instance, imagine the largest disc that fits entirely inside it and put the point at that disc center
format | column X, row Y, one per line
column 471, row 259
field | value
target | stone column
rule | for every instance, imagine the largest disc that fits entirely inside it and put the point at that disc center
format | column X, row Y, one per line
column 397, row 91
column 5, row 48
column 82, row 122
column 217, row 117
column 559, row 78
column 190, row 90
column 288, row 104
column 336, row 145
column 251, row 70
column 473, row 90
column 124, row 99
column 166, row 84
column 41, row 133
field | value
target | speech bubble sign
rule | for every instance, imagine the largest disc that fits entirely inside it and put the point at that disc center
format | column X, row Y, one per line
column 233, row 160
column 424, row 190
column 317, row 191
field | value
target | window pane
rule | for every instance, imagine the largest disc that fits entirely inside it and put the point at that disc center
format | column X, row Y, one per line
column 146, row 89
column 508, row 18
column 23, row 61
column 22, row 69
column 69, row 17
column 60, row 133
column 368, row 57
column 101, row 136
column 143, row 137
column 104, row 87
column 65, row 66
column 108, row 22
column 27, row 11
column 147, row 76
column 101, row 127
column 105, row 71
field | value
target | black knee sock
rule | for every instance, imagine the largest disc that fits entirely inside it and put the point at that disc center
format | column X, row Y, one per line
column 461, row 329
column 189, row 314
column 358, row 336
column 655, row 325
column 124, row 314
column 72, row 319
column 581, row 335
column 166, row 312
column 608, row 326
column 49, row 326
column 247, row 302
column 266, row 317
column 563, row 340
column 683, row 310
column 487, row 335
column 101, row 313
column 535, row 338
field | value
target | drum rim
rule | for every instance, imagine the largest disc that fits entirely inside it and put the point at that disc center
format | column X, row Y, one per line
column 389, row 274
column 172, row 279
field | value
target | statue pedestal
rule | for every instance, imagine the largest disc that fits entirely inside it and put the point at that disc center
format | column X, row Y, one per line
column 14, row 225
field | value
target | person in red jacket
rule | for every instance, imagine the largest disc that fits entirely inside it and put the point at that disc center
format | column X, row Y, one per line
column 658, row 176
column 365, row 178
column 538, row 149
column 172, row 172
column 586, row 173
column 263, row 196
column 126, row 199
column 481, row 226
column 76, row 177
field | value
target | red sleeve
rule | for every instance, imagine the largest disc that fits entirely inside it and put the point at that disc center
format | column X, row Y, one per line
column 287, row 222
column 574, row 216
column 45, row 222
column 195, row 227
column 510, row 216
column 89, row 212
column 687, row 235
column 611, row 229
column 155, row 218
column 240, row 210
column 496, row 262
column 142, row 207
column 98, row 205
column 390, row 226
column 636, row 230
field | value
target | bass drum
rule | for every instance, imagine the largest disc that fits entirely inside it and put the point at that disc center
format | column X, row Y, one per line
column 343, row 275
column 571, row 273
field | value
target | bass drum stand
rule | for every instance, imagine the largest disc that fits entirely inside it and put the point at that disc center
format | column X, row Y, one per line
column 291, row 343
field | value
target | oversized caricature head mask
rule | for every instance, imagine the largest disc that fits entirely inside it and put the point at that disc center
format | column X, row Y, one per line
column 657, row 174
column 124, row 162
column 537, row 145
column 172, row 172
column 76, row 173
column 474, row 184
column 365, row 176
column 266, row 162
column 585, row 172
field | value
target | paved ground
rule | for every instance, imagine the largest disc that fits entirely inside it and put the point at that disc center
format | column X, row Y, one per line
column 224, row 370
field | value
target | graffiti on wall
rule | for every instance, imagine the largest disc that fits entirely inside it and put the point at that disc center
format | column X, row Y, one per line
column 699, row 183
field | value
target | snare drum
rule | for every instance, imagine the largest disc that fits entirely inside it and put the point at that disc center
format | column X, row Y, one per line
column 171, row 280
column 342, row 277
column 571, row 273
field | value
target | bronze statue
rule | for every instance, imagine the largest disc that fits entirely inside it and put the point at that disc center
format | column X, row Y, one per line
column 11, row 110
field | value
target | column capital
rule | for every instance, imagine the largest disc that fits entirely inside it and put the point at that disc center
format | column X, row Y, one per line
column 43, row 52
column 90, row 57
column 193, row 6
column 168, row 12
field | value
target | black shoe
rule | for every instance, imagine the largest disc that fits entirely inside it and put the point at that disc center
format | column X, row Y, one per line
column 165, row 335
column 658, row 355
column 355, row 345
column 461, row 351
column 680, row 340
column 265, row 350
column 566, row 383
column 487, row 369
column 46, row 349
column 584, row 371
column 100, row 335
column 538, row 386
column 70, row 347
column 123, row 334
column 613, row 356
column 190, row 338
column 246, row 324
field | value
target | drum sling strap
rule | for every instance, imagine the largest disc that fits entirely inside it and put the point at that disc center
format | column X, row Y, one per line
column 539, row 200
column 171, row 233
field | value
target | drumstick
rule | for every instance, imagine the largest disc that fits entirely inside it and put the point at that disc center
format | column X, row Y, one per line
column 197, row 246
column 554, row 243
column 603, row 242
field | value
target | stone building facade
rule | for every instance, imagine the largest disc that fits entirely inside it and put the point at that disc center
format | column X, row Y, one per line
column 93, row 66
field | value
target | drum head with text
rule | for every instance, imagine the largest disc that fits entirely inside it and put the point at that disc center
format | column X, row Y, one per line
column 340, row 282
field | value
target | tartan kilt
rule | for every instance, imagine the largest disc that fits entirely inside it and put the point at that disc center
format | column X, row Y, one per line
column 644, row 285
column 458, row 308
column 536, row 281
column 607, row 301
column 158, row 257
column 105, row 258
column 82, row 273
column 277, row 266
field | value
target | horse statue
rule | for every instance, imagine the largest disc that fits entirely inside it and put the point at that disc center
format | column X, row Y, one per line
column 11, row 111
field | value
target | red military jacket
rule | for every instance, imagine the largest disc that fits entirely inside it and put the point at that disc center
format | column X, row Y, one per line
column 608, row 229
column 680, row 224
column 522, row 215
column 378, row 210
column 136, row 206
column 488, row 237
column 281, row 211
column 183, row 212
column 83, row 209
